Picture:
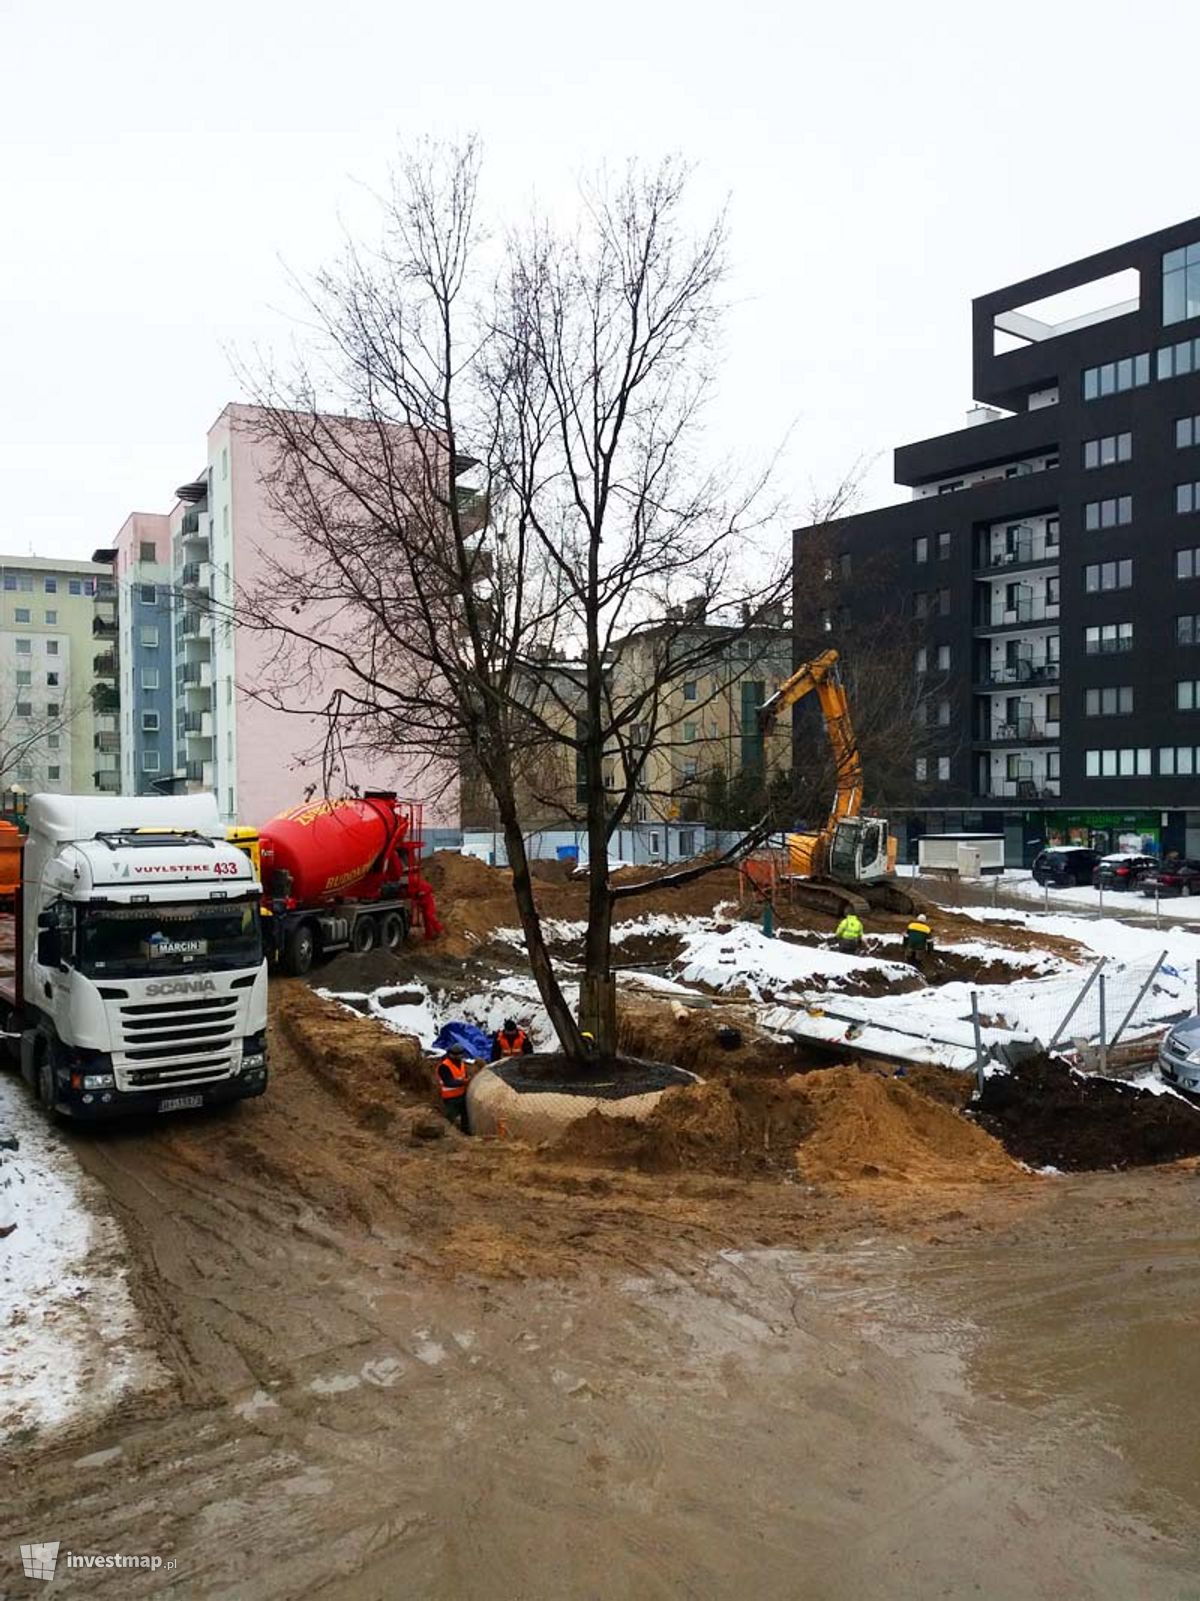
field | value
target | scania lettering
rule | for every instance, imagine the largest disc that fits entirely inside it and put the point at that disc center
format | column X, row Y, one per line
column 132, row 976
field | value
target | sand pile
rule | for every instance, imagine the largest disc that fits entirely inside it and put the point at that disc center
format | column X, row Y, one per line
column 867, row 1126
column 832, row 1124
column 1049, row 1116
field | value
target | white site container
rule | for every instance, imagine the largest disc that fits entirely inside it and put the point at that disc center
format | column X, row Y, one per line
column 949, row 854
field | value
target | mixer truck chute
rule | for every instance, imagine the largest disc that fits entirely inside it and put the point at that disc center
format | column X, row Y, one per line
column 340, row 875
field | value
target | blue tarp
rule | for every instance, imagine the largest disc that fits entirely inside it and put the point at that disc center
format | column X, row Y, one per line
column 473, row 1040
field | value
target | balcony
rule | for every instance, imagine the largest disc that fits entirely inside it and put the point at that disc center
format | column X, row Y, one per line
column 199, row 773
column 105, row 665
column 189, row 524
column 1025, row 556
column 1024, row 614
column 107, row 780
column 104, row 628
column 106, row 590
column 1023, row 672
column 106, row 701
column 1020, row 731
column 109, row 743
column 1021, row 789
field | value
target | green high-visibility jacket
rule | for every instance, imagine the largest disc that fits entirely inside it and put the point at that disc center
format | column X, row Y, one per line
column 850, row 927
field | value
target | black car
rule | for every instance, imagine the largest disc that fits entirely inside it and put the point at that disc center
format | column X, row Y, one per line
column 1176, row 877
column 1061, row 865
column 1123, row 870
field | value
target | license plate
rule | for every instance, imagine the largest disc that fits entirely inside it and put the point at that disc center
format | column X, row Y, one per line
column 180, row 1103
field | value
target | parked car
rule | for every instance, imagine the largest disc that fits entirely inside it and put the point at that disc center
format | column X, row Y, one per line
column 1179, row 1055
column 1122, row 870
column 1177, row 877
column 1060, row 865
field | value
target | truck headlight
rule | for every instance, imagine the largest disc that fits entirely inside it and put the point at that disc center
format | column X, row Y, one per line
column 98, row 1081
column 254, row 1060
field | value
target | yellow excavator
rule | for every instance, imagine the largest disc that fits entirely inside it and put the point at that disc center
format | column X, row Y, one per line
column 850, row 863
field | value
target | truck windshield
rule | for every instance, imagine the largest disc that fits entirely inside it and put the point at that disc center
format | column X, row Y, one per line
column 140, row 941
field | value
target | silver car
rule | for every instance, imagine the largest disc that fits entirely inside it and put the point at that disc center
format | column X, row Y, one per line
column 1179, row 1055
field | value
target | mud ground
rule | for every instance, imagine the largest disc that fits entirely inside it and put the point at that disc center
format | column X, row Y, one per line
column 403, row 1365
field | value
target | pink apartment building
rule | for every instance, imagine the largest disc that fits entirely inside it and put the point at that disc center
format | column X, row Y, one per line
column 219, row 538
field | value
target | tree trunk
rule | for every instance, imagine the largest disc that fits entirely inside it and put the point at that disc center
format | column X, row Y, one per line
column 598, row 995
column 563, row 1024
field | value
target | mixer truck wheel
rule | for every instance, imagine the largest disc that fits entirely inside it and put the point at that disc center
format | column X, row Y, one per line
column 363, row 939
column 299, row 951
column 394, row 931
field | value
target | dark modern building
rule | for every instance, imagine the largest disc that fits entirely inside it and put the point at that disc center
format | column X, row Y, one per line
column 1050, row 560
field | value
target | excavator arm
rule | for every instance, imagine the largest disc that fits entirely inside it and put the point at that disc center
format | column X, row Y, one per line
column 822, row 677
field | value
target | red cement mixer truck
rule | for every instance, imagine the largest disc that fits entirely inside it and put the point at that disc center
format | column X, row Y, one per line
column 340, row 875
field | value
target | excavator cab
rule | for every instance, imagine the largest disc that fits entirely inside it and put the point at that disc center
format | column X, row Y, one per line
column 858, row 853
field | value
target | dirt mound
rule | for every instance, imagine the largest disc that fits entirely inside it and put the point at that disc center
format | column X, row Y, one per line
column 832, row 1124
column 867, row 1126
column 650, row 1029
column 1051, row 1116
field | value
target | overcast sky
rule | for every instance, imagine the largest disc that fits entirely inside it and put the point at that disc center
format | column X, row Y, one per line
column 885, row 162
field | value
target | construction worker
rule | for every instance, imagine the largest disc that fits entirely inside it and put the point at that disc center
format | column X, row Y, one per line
column 510, row 1041
column 453, row 1077
column 918, row 939
column 848, row 934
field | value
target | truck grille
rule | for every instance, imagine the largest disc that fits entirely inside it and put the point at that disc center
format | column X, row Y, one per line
column 176, row 1042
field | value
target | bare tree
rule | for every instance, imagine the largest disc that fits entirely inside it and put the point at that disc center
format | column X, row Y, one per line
column 25, row 739
column 512, row 495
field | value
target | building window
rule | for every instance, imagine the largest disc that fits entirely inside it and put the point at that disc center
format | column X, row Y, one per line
column 943, row 713
column 24, row 647
column 689, row 733
column 74, row 586
column 922, row 659
column 844, row 564
column 689, row 690
column 943, row 547
column 149, row 677
column 54, row 773
column 1124, row 763
column 921, row 548
column 52, row 647
column 1181, row 284
column 1107, row 639
column 1187, row 630
column 943, row 602
column 149, row 722
column 147, row 550
column 943, row 768
column 1113, row 700
column 24, row 708
column 1187, row 565
column 146, row 594
column 1108, row 449
column 1187, row 695
column 943, row 658
column 149, row 761
column 1115, row 376
column 52, row 708
column 149, row 638
column 1176, row 361
column 225, row 468
column 51, row 680
column 920, row 603
column 1187, row 497
column 24, row 677
column 51, row 586
column 1108, row 513
column 23, row 614
column 922, row 769
column 1187, row 432
column 53, row 741
column 1178, row 761
column 51, row 619
column 1102, row 575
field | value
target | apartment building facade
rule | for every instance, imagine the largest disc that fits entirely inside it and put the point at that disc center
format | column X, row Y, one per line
column 55, row 734
column 190, row 679
column 1051, row 555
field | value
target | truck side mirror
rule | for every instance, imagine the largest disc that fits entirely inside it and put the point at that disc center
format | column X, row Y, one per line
column 49, row 946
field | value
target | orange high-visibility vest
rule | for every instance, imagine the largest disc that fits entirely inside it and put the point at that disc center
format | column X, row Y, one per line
column 511, row 1047
column 458, row 1075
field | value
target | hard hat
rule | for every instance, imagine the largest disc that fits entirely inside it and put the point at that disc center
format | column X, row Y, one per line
column 456, row 1050
column 509, row 1025
column 588, row 1035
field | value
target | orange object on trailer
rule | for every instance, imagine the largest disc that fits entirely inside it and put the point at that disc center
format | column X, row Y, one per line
column 12, row 842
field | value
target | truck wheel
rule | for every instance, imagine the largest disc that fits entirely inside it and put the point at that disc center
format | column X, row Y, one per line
column 299, row 951
column 364, row 935
column 46, row 1093
column 394, row 932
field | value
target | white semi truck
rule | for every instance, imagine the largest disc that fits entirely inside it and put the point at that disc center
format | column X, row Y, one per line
column 132, row 976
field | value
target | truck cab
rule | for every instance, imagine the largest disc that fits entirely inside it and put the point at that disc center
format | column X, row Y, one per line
column 138, row 981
